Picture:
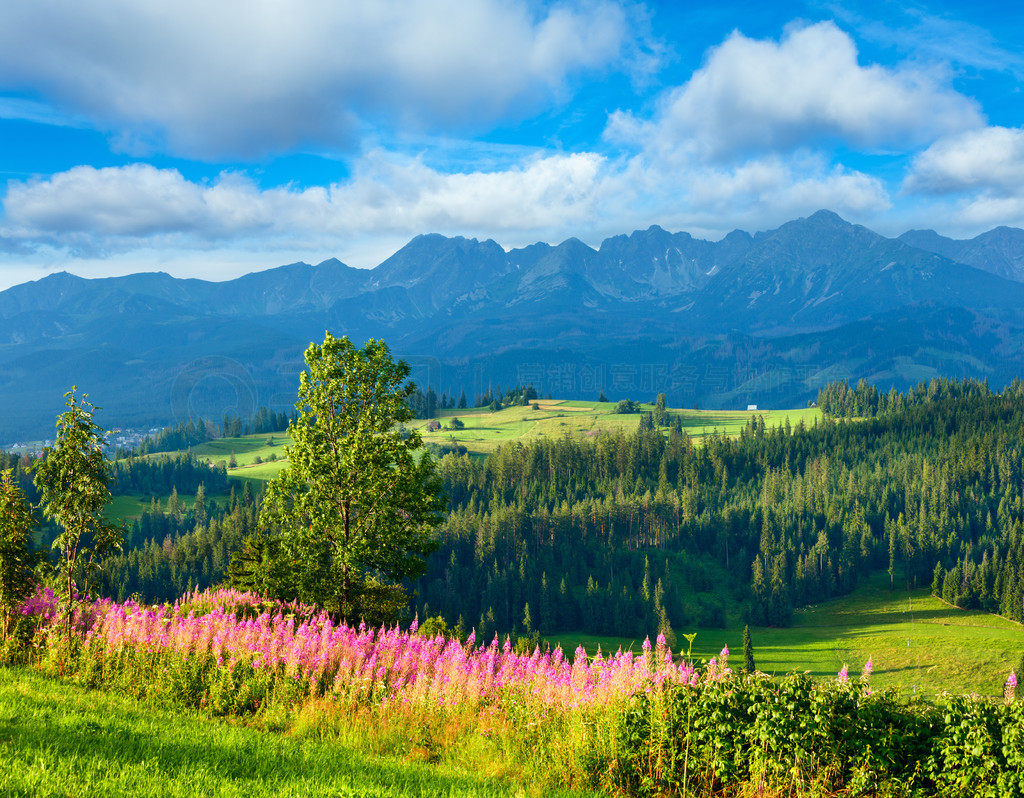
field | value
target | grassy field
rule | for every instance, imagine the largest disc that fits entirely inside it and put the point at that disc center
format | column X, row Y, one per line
column 915, row 640
column 245, row 449
column 486, row 430
column 57, row 739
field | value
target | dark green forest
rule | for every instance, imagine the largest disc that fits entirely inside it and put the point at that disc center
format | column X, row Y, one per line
column 634, row 533
column 625, row 534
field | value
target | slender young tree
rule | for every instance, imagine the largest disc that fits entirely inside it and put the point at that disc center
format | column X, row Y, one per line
column 356, row 505
column 73, row 477
column 748, row 651
column 17, row 558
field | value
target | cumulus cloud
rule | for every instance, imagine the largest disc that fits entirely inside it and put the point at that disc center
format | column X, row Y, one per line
column 123, row 207
column 756, row 194
column 978, row 175
column 238, row 78
column 91, row 212
column 789, row 186
column 758, row 96
column 989, row 159
column 136, row 200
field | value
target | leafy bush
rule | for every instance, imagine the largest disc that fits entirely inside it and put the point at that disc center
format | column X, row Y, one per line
column 794, row 736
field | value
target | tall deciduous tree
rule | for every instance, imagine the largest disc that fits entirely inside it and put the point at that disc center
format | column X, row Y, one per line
column 73, row 479
column 17, row 558
column 356, row 504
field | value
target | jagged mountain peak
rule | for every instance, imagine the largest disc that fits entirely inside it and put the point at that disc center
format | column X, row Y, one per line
column 999, row 251
column 651, row 297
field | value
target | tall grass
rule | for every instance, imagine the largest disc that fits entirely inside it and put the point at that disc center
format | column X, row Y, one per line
column 61, row 739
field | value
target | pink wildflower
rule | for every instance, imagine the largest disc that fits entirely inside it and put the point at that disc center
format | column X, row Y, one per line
column 844, row 675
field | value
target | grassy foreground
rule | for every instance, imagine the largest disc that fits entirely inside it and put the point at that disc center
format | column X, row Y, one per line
column 59, row 739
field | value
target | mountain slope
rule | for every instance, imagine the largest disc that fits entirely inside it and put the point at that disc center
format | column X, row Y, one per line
column 763, row 318
column 822, row 272
column 999, row 251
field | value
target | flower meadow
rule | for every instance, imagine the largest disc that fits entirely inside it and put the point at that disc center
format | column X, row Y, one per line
column 646, row 724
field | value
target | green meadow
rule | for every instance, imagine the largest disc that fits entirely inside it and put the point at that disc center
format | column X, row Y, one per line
column 245, row 449
column 916, row 642
column 60, row 739
column 486, row 430
column 130, row 507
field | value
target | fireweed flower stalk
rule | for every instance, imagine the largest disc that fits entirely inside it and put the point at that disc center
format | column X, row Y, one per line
column 316, row 657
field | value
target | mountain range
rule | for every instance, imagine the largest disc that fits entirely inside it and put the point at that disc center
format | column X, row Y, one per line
column 764, row 318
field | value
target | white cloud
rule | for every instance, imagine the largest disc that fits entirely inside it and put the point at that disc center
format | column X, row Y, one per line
column 986, row 212
column 978, row 174
column 118, row 208
column 789, row 186
column 113, row 211
column 757, row 194
column 240, row 78
column 757, row 96
column 136, row 200
column 989, row 159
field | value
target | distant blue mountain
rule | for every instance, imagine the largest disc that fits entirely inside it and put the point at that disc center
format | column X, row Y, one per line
column 763, row 318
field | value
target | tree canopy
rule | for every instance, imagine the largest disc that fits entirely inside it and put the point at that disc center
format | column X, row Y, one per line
column 73, row 478
column 17, row 558
column 353, row 510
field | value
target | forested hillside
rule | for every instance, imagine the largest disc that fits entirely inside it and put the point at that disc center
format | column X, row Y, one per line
column 618, row 534
column 631, row 533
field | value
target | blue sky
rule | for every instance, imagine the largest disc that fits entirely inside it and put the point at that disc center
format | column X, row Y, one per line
column 213, row 139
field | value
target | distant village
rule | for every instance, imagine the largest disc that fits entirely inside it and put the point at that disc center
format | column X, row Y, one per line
column 116, row 439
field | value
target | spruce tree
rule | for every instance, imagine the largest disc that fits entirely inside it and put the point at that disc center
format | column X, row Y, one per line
column 17, row 557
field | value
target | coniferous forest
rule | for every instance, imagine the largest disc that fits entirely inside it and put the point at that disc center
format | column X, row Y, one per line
column 638, row 533
column 629, row 534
